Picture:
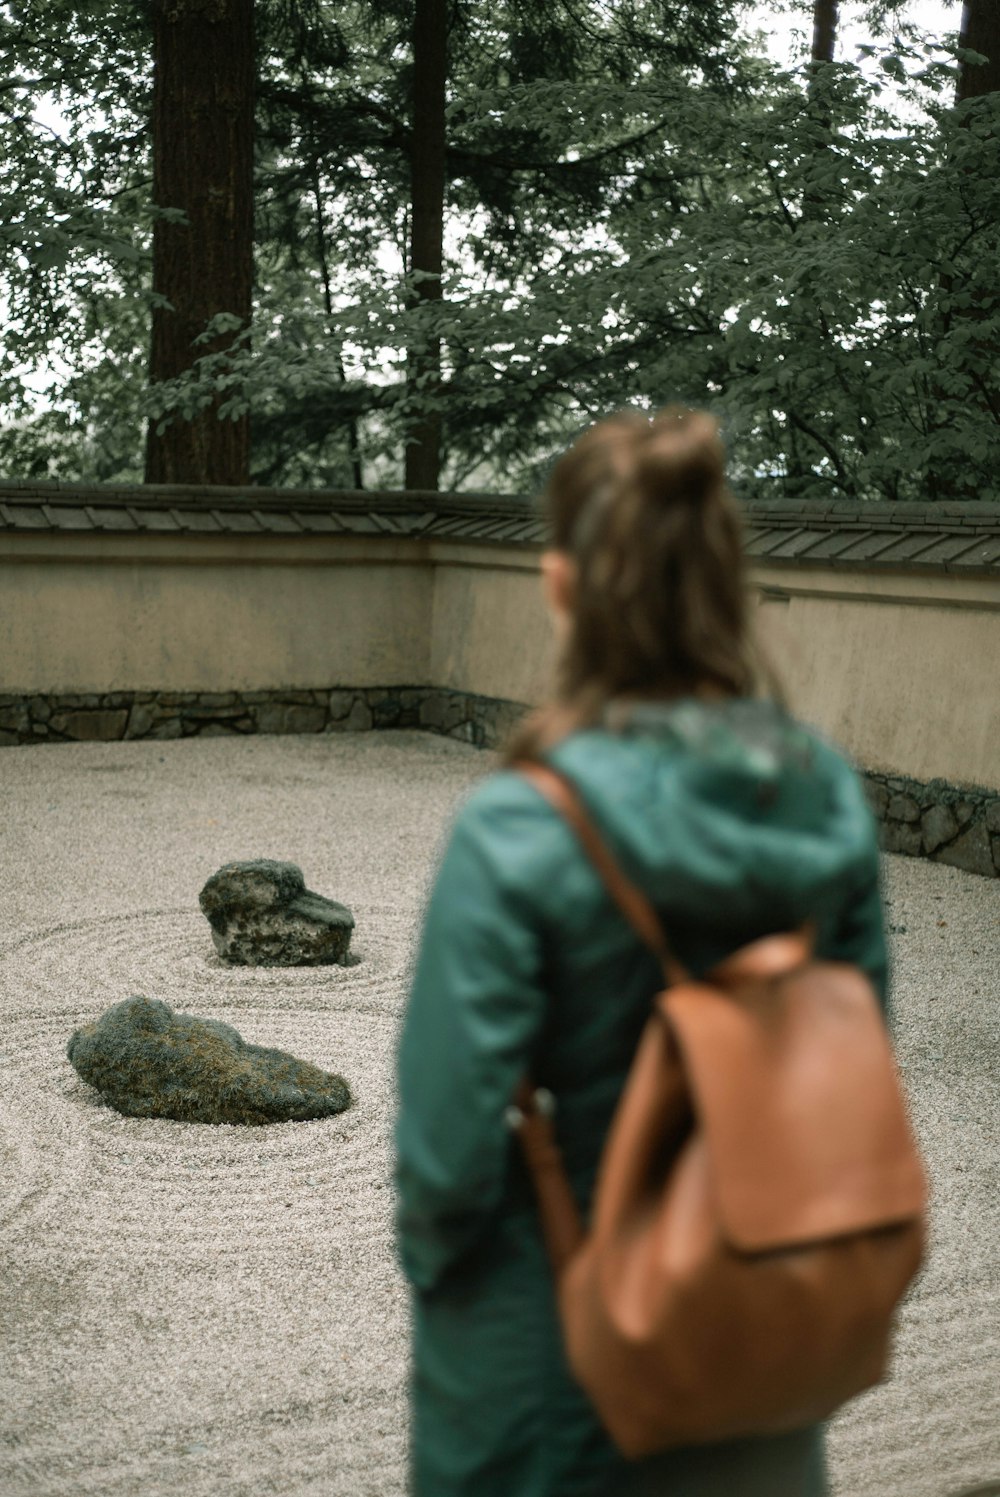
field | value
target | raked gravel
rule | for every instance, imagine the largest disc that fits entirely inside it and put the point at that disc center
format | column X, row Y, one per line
column 216, row 1312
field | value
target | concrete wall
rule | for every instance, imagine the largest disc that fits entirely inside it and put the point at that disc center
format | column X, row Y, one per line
column 91, row 613
column 900, row 668
column 490, row 632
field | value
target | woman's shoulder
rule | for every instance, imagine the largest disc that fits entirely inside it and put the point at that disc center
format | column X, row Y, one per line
column 737, row 735
column 507, row 823
column 505, row 804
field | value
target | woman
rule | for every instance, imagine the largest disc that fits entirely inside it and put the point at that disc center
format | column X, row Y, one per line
column 735, row 821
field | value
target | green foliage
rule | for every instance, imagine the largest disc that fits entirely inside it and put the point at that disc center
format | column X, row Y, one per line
column 75, row 231
column 640, row 208
column 834, row 291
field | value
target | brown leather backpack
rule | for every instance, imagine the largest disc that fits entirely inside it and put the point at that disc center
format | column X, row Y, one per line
column 759, row 1208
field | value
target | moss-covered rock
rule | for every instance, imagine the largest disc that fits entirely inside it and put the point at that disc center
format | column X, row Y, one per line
column 149, row 1062
column 262, row 915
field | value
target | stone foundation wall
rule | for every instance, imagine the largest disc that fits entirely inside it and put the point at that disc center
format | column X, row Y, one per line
column 932, row 819
column 110, row 716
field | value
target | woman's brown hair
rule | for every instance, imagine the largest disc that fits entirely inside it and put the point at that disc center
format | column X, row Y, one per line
column 659, row 606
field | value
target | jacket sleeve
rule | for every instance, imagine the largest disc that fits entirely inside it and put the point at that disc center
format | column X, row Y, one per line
column 476, row 1005
column 855, row 928
column 860, row 937
column 858, row 933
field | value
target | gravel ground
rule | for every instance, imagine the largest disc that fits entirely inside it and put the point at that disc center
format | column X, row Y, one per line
column 216, row 1311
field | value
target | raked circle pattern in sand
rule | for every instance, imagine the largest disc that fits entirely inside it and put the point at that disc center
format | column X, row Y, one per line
column 211, row 1232
column 190, row 1311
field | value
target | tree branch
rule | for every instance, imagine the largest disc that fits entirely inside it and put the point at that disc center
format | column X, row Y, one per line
column 827, row 446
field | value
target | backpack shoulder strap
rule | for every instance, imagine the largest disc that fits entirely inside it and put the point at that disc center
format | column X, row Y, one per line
column 633, row 904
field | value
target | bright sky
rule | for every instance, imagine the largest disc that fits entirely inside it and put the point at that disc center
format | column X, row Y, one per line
column 791, row 33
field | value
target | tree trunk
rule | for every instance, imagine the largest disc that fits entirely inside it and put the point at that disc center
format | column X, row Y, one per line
column 824, row 42
column 353, row 435
column 980, row 33
column 203, row 85
column 427, row 177
column 824, row 30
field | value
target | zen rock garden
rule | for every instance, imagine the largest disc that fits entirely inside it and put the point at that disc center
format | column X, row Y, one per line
column 244, row 1276
column 148, row 1061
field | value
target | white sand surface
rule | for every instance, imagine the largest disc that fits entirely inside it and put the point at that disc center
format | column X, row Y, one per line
column 216, row 1312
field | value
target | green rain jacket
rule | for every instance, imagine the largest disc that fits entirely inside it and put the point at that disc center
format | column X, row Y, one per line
column 736, row 821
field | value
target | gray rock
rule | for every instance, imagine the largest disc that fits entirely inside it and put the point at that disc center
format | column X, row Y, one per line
column 270, row 718
column 209, row 713
column 256, row 885
column 305, row 719
column 939, row 824
column 285, row 717
column 899, row 836
column 101, row 724
column 359, row 719
column 386, row 711
column 262, row 915
column 971, row 851
column 15, row 719
column 903, row 808
column 341, row 702
column 993, row 815
column 140, row 721
column 878, row 798
column 443, row 712
column 167, row 727
column 148, row 1061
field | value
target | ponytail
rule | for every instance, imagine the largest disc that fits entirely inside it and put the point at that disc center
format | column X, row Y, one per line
column 660, row 605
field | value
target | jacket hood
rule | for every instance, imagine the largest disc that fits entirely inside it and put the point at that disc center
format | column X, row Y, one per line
column 728, row 811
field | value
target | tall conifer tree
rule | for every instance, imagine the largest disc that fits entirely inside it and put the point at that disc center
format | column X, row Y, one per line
column 824, row 30
column 980, row 33
column 203, row 89
column 427, row 183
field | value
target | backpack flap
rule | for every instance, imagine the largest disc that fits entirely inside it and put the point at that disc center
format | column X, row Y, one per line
column 795, row 1090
